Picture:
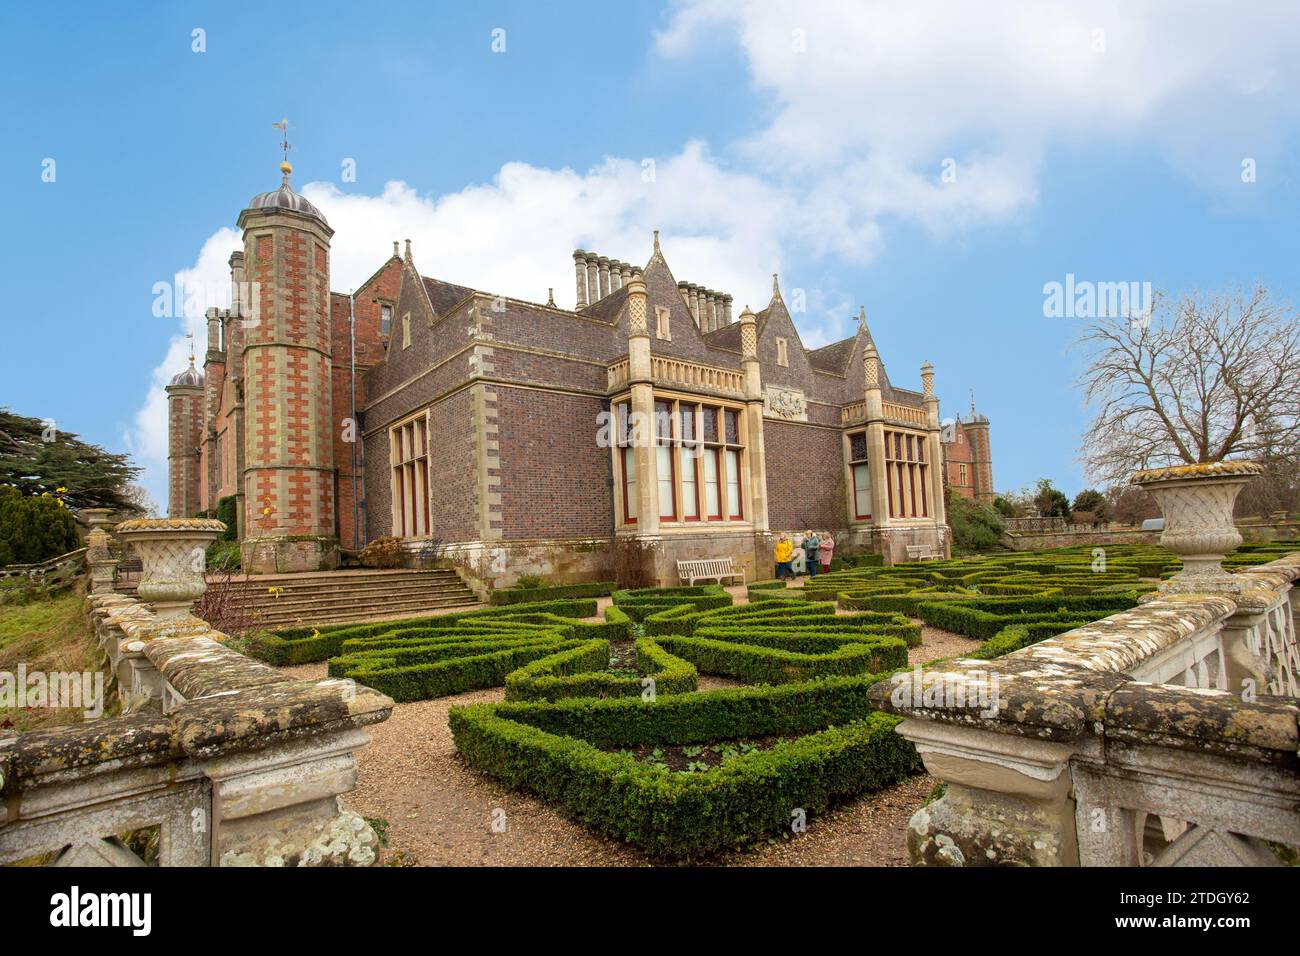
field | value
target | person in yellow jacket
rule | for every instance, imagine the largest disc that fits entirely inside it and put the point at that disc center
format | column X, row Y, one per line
column 783, row 552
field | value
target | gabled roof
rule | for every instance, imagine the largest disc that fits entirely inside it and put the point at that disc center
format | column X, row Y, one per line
column 607, row 308
column 833, row 357
column 444, row 296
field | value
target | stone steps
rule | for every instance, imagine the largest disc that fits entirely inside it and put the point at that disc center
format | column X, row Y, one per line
column 336, row 597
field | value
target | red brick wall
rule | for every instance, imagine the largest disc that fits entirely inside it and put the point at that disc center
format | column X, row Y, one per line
column 453, row 477
column 956, row 454
column 383, row 285
column 554, row 477
column 805, row 477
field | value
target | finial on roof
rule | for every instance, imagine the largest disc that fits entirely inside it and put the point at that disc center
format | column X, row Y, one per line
column 395, row 252
column 656, row 242
column 972, row 403
column 408, row 250
column 285, row 167
column 550, row 297
column 862, row 318
column 776, row 286
column 190, row 336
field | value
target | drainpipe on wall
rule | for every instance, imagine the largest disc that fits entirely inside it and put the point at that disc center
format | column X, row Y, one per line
column 356, row 429
column 607, row 407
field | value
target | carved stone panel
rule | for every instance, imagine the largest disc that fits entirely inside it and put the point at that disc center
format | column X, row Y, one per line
column 785, row 403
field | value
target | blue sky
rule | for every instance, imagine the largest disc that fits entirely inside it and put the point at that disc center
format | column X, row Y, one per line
column 802, row 138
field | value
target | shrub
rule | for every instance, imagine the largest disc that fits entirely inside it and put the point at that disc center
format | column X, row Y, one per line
column 520, row 595
column 553, row 750
column 385, row 552
column 569, row 674
column 302, row 645
column 224, row 555
column 529, row 582
column 975, row 527
column 34, row 528
column 227, row 511
column 983, row 619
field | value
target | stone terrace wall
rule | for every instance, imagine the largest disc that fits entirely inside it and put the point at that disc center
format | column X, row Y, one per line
column 235, row 762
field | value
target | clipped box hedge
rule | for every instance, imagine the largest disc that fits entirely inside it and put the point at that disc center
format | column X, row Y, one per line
column 983, row 619
column 304, row 645
column 552, row 592
column 776, row 657
column 580, row 673
column 554, row 751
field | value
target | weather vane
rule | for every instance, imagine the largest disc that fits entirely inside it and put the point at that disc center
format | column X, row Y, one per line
column 190, row 336
column 283, row 127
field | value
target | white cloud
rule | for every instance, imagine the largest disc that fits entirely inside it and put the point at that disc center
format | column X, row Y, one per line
column 885, row 90
column 184, row 300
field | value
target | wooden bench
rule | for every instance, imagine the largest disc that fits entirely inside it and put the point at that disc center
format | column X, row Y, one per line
column 922, row 552
column 715, row 568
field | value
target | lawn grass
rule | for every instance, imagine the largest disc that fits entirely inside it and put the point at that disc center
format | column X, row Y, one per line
column 49, row 635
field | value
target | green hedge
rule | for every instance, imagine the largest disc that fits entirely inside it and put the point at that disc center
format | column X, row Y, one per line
column 450, row 668
column 983, row 619
column 553, row 750
column 1016, row 636
column 303, row 645
column 552, row 592
column 775, row 657
column 571, row 674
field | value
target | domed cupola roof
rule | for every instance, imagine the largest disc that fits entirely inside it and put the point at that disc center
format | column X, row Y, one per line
column 190, row 378
column 286, row 198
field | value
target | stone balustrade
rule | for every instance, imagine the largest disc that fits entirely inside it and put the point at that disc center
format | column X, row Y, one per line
column 670, row 372
column 855, row 413
column 228, row 761
column 1164, row 735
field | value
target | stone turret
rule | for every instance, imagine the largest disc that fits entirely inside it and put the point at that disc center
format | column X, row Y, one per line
column 184, row 433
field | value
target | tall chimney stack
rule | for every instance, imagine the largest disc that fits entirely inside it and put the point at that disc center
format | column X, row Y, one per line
column 580, row 270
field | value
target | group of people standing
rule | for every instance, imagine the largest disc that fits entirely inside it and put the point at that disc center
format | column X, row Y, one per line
column 807, row 553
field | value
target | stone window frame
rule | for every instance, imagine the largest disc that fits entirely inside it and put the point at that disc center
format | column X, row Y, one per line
column 415, row 464
column 907, row 471
column 386, row 333
column 783, row 353
column 859, row 466
column 718, row 449
column 663, row 327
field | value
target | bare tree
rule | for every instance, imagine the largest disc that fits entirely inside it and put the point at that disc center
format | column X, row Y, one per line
column 1208, row 378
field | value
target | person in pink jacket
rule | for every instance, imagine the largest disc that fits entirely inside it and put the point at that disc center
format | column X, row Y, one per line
column 826, row 551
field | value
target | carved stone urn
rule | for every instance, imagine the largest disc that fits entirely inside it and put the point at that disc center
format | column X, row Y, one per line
column 174, row 554
column 1196, row 501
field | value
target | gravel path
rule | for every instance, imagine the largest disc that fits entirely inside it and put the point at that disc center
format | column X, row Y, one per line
column 441, row 813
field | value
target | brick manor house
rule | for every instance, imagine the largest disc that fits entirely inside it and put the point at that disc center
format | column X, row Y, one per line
column 646, row 425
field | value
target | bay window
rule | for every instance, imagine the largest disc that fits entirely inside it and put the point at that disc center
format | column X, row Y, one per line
column 699, row 461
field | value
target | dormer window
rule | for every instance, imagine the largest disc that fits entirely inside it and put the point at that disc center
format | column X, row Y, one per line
column 662, row 328
column 385, row 320
column 782, row 354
